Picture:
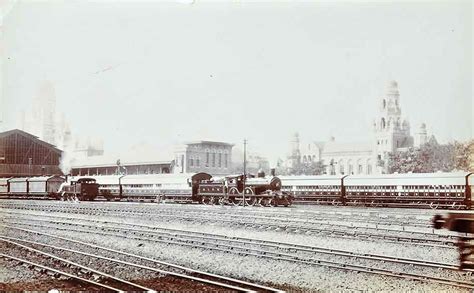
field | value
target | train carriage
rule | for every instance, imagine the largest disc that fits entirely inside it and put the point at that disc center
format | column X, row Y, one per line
column 444, row 190
column 158, row 186
column 4, row 187
column 308, row 189
column 154, row 187
column 33, row 187
column 18, row 186
column 46, row 186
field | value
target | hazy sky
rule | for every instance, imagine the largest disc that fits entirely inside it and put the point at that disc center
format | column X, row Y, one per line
column 162, row 73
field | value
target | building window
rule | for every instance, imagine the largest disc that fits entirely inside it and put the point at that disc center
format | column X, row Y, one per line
column 225, row 160
column 207, row 159
column 213, row 159
column 341, row 169
column 360, row 169
column 198, row 162
column 220, row 160
column 369, row 169
column 191, row 162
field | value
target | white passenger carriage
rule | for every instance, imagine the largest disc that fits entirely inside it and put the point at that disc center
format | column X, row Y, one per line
column 314, row 189
column 154, row 187
column 435, row 190
column 160, row 186
column 444, row 190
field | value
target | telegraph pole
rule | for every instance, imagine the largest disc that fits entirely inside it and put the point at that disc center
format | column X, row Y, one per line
column 245, row 172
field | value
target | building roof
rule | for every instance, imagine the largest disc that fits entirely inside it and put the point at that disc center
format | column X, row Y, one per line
column 30, row 136
column 208, row 142
column 138, row 155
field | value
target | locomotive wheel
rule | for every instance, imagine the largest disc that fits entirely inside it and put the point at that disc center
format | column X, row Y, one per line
column 265, row 202
column 433, row 205
column 335, row 202
column 234, row 201
column 205, row 200
column 273, row 202
column 258, row 202
column 222, row 201
column 252, row 201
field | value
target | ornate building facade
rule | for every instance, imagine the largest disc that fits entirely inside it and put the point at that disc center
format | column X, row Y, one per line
column 390, row 133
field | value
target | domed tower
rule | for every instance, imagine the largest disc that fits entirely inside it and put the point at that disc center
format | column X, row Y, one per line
column 391, row 133
column 421, row 137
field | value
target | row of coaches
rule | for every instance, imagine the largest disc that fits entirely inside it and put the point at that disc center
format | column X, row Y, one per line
column 33, row 187
column 436, row 190
column 444, row 190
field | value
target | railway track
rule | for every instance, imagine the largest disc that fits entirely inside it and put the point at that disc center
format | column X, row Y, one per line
column 216, row 282
column 260, row 249
column 86, row 274
column 419, row 238
column 369, row 217
column 356, row 218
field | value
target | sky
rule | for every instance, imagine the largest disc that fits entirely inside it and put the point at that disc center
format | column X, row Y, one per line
column 162, row 73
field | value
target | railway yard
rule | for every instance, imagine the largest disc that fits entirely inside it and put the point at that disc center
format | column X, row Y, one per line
column 122, row 246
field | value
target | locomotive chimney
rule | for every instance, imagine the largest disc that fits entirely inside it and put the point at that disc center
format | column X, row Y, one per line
column 272, row 171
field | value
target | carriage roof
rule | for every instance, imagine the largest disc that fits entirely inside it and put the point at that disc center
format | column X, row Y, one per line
column 157, row 179
column 426, row 179
column 36, row 179
column 4, row 181
column 308, row 180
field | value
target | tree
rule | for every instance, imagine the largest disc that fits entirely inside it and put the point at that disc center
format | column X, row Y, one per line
column 312, row 168
column 431, row 157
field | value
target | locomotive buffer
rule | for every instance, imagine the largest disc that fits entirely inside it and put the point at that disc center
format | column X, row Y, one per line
column 461, row 223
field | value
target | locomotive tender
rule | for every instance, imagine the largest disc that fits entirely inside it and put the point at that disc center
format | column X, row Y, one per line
column 434, row 190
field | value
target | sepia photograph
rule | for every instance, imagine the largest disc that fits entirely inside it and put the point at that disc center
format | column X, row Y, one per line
column 236, row 146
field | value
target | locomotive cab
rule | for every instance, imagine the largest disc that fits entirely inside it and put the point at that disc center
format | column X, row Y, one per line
column 82, row 189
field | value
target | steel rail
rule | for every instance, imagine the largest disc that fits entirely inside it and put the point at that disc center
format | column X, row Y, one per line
column 291, row 258
column 79, row 266
column 223, row 285
column 292, row 218
column 260, row 288
column 60, row 272
column 266, row 243
column 420, row 241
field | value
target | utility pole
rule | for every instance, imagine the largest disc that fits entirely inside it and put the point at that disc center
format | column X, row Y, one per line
column 245, row 172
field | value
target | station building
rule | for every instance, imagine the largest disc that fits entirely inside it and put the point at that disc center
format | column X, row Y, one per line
column 23, row 154
column 212, row 157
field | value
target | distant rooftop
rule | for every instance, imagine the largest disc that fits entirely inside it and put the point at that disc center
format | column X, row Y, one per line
column 208, row 142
